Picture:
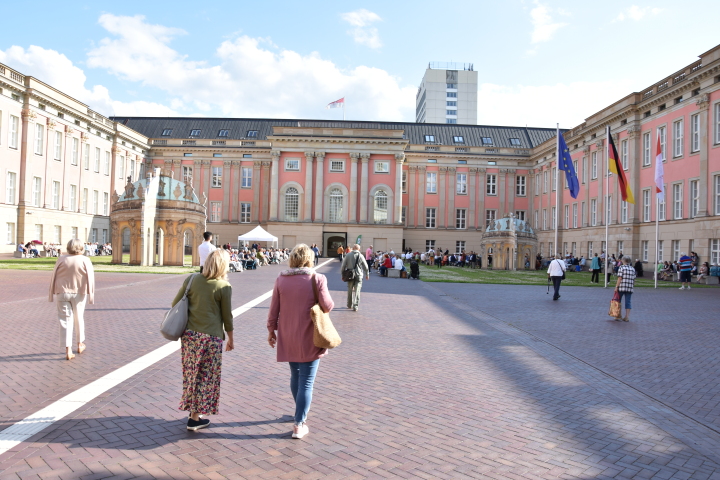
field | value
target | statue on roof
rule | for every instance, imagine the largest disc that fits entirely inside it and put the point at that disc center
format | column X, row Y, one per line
column 129, row 188
column 189, row 191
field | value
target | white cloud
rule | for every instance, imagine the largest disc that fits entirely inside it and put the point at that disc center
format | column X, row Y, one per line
column 545, row 105
column 543, row 26
column 251, row 78
column 363, row 32
column 636, row 13
column 55, row 69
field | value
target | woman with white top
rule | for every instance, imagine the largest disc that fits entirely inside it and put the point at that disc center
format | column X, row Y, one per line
column 556, row 270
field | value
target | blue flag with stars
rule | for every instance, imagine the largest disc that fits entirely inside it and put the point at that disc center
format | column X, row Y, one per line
column 565, row 163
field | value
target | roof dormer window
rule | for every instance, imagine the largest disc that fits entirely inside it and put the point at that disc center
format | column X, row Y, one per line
column 429, row 138
column 194, row 132
column 515, row 142
column 458, row 139
column 487, row 141
column 252, row 134
column 167, row 132
column 224, row 133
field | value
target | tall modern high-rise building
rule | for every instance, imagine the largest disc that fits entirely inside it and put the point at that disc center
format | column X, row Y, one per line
column 447, row 94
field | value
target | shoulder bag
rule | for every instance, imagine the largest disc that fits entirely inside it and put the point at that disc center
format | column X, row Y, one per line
column 324, row 333
column 349, row 275
column 561, row 268
column 175, row 322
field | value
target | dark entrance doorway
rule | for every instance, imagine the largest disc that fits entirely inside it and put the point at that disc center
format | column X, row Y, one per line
column 332, row 241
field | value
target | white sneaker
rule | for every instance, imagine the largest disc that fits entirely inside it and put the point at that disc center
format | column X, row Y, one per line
column 681, row 288
column 300, row 431
column 688, row 287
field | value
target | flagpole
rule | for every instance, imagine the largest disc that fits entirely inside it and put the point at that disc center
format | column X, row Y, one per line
column 343, row 109
column 657, row 237
column 606, row 204
column 557, row 185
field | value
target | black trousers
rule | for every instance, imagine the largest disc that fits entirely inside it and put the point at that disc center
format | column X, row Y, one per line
column 556, row 286
column 595, row 275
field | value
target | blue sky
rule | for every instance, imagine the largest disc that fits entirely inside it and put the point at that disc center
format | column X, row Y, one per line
column 539, row 62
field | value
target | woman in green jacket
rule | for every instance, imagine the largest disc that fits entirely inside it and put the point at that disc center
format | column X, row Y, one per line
column 209, row 318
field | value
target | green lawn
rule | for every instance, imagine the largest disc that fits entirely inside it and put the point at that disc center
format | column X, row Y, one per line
column 101, row 264
column 526, row 277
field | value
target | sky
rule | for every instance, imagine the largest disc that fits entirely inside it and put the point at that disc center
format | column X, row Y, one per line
column 539, row 62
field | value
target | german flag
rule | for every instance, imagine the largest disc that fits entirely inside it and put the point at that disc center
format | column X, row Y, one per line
column 616, row 168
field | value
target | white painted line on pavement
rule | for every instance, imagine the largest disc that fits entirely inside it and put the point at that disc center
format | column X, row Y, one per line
column 40, row 420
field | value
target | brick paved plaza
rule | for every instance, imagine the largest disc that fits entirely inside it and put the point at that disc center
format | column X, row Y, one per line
column 431, row 381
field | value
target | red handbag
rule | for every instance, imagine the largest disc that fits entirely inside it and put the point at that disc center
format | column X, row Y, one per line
column 615, row 305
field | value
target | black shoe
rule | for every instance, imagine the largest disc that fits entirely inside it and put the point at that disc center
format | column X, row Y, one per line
column 194, row 426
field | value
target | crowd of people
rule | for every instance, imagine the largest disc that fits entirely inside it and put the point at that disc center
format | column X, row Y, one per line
column 90, row 249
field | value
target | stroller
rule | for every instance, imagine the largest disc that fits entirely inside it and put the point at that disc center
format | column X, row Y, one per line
column 414, row 270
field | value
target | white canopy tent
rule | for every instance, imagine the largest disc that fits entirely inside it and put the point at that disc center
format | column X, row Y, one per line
column 258, row 234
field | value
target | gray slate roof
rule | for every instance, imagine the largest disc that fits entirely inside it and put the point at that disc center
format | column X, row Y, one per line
column 153, row 127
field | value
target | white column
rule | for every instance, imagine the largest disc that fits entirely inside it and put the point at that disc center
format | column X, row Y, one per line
column 308, row 186
column 364, row 158
column 352, row 212
column 274, row 178
column 399, row 159
column 319, row 188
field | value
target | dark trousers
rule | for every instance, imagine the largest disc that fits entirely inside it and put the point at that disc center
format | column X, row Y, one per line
column 595, row 275
column 556, row 286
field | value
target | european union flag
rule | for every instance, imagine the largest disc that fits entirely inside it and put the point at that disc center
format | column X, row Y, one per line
column 565, row 163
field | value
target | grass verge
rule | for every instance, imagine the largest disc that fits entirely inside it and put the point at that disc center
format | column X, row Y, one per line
column 101, row 264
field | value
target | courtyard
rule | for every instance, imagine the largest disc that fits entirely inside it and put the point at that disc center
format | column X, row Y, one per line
column 433, row 380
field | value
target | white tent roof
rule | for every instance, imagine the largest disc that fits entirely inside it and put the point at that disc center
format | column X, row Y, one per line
column 257, row 234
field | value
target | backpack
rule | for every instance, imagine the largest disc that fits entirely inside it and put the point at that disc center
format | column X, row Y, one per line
column 348, row 275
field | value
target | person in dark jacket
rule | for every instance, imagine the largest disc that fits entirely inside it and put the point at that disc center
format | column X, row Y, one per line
column 638, row 267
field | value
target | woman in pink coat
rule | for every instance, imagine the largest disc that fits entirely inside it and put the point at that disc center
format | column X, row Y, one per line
column 291, row 328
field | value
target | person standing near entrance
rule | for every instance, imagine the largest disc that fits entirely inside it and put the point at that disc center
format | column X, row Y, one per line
column 355, row 261
column 555, row 271
column 341, row 252
column 595, row 266
column 205, row 249
column 369, row 254
column 685, row 265
column 316, row 252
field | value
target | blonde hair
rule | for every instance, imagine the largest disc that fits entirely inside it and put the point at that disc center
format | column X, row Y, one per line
column 216, row 265
column 301, row 256
column 75, row 247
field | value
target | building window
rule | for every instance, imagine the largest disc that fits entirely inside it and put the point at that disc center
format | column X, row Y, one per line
column 86, row 157
column 85, row 201
column 593, row 166
column 132, row 170
column 662, row 133
column 429, row 244
column 431, row 182
column 56, row 195
column 13, row 133
column 490, row 216
column 429, row 138
column 460, row 215
column 515, row 142
column 194, row 132
column 459, row 246
column 39, row 138
column 104, row 235
column 694, row 198
column 583, row 223
column 452, row 85
column 714, row 251
column 382, row 167
column 593, row 212
column 661, row 250
column 520, row 215
column 646, row 205
column 10, row 187
column 336, row 206
column 292, row 164
column 535, row 224
column 10, row 233
column 590, row 249
column 95, row 200
column 252, row 134
column 96, row 165
column 458, row 138
column 337, row 166
column 678, row 138
column 620, row 247
column 75, row 151
column 677, row 201
column 93, row 235
column 58, row 146
column 450, row 112
column 215, row 210
column 292, row 204
column 404, row 181
column 553, row 218
column 623, row 212
column 553, row 174
column 644, row 248
column 224, row 133
column 106, row 170
column 36, row 191
column 575, row 215
column 73, row 198
column 661, row 210
column 106, row 203
column 461, row 185
column 429, row 218
column 545, row 181
column 187, row 174
column 451, row 94
column 167, row 132
column 39, row 232
column 584, row 169
column 624, row 154
column 404, row 215
column 544, row 225
column 567, row 216
column 695, row 133
column 244, row 213
column 646, row 149
column 537, row 184
column 717, row 123
column 246, row 177
column 520, row 186
column 608, row 208
column 717, row 194
column 491, row 186
column 216, row 177
column 381, row 207
column 675, row 250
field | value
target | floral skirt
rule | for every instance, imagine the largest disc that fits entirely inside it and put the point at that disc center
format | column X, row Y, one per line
column 201, row 364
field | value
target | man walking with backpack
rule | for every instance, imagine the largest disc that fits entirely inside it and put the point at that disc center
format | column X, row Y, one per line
column 354, row 268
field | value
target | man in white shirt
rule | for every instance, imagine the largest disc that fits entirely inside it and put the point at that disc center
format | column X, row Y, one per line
column 556, row 269
column 205, row 248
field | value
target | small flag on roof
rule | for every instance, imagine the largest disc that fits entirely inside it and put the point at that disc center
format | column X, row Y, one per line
column 337, row 103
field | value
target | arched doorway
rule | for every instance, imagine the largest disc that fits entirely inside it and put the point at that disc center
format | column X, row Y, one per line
column 187, row 247
column 332, row 244
column 125, row 242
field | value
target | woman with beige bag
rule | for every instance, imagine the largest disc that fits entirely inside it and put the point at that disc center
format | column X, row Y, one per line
column 294, row 296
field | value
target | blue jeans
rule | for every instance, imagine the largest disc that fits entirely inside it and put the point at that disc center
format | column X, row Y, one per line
column 302, row 377
column 628, row 299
